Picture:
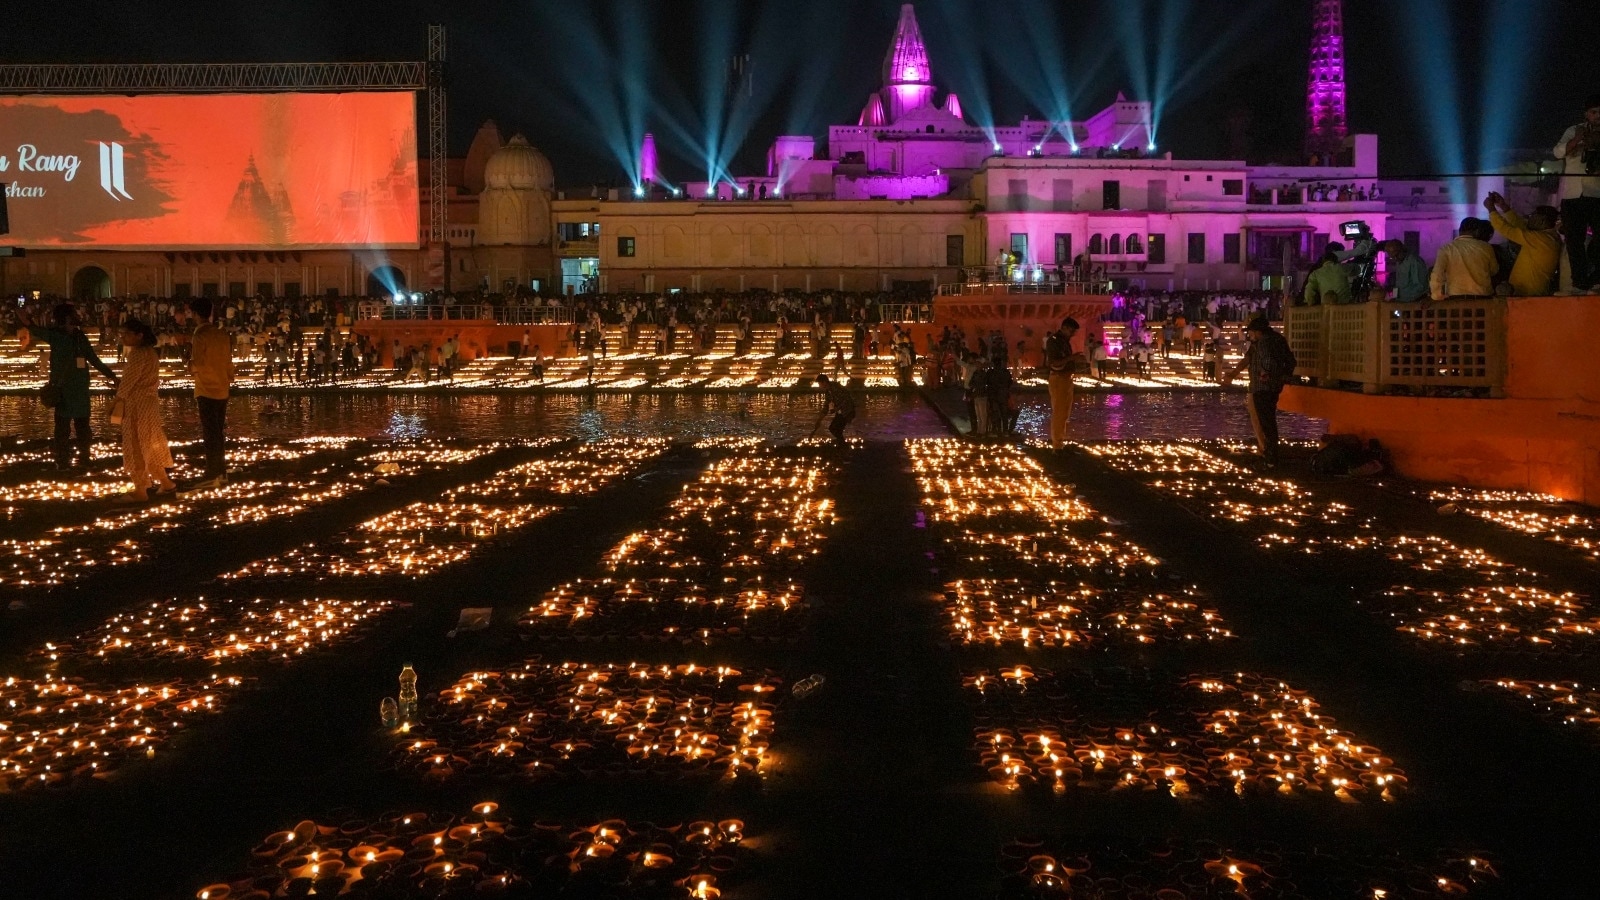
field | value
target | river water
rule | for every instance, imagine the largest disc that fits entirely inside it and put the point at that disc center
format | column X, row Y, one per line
column 781, row 417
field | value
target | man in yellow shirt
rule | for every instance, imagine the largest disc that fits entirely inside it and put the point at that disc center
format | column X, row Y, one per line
column 1534, row 273
column 211, row 365
column 1465, row 267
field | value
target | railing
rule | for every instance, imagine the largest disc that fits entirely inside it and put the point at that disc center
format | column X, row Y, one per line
column 1451, row 344
column 972, row 288
column 905, row 313
column 480, row 312
column 535, row 315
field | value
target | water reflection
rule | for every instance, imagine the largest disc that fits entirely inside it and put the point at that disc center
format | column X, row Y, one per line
column 781, row 417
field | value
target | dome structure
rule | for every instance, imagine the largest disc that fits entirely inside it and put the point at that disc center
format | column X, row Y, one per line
column 514, row 208
column 519, row 166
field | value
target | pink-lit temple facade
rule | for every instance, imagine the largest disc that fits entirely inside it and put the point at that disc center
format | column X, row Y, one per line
column 915, row 192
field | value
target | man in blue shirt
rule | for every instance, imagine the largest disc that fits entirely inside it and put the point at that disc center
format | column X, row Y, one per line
column 1408, row 275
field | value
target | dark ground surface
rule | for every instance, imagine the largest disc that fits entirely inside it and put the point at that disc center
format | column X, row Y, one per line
column 875, row 792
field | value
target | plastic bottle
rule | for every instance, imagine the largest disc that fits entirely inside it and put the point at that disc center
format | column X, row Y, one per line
column 389, row 712
column 805, row 686
column 408, row 694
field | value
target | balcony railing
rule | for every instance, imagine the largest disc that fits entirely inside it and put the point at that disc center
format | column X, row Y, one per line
column 477, row 312
column 905, row 313
column 1455, row 344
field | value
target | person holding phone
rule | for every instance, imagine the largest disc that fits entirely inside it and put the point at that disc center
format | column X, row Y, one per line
column 67, row 391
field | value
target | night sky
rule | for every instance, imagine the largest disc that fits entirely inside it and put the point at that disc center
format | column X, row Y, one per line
column 554, row 70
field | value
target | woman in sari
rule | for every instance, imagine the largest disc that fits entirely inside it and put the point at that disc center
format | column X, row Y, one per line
column 145, row 454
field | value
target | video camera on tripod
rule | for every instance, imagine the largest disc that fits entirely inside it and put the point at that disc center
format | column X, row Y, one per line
column 1361, row 258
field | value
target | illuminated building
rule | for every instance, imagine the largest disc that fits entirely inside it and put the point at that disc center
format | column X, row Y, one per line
column 912, row 192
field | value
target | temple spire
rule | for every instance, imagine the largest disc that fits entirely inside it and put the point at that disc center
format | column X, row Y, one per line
column 907, row 62
column 907, row 74
column 1326, row 126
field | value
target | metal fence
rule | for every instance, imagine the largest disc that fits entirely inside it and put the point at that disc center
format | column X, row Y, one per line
column 1451, row 344
column 905, row 313
column 479, row 312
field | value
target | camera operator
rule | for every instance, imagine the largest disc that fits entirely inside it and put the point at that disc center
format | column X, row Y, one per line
column 1361, row 260
column 1580, row 195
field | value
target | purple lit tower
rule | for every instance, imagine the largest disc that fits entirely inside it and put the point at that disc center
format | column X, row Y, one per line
column 648, row 161
column 907, row 74
column 1325, row 108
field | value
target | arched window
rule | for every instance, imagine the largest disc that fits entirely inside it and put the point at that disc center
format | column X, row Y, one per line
column 1116, row 245
column 1133, row 244
column 1096, row 244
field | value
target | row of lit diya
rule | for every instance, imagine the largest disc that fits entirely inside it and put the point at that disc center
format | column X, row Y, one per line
column 1003, row 520
column 219, row 630
column 244, row 454
column 1226, row 491
column 1198, row 870
column 54, row 730
column 1232, row 493
column 426, row 536
column 716, row 568
column 1501, row 612
column 1030, row 613
column 674, row 610
column 544, row 720
column 487, row 853
column 1541, row 515
column 1218, row 735
column 1494, row 617
column 1567, row 703
column 72, row 551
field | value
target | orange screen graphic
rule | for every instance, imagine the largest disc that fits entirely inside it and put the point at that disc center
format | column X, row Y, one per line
column 211, row 172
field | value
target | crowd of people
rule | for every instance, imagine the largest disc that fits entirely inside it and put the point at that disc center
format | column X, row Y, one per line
column 1548, row 251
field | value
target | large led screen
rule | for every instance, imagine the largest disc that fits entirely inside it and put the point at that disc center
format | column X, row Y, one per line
column 213, row 171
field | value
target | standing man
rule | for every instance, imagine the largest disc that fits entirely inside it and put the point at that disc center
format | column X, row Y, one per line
column 843, row 406
column 1465, row 267
column 1534, row 272
column 1060, row 361
column 1579, row 148
column 1270, row 363
column 1408, row 275
column 70, row 359
column 211, row 365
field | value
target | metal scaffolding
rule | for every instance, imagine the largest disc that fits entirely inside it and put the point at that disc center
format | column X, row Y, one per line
column 438, row 202
column 212, row 78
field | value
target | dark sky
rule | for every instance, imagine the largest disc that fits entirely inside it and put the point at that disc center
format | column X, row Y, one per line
column 555, row 70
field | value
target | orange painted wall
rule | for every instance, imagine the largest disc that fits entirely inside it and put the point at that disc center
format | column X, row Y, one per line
column 1544, row 436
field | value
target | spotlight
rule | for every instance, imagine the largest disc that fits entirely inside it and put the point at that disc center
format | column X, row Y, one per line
column 997, row 147
column 711, row 190
column 677, row 192
column 638, row 191
column 1151, row 147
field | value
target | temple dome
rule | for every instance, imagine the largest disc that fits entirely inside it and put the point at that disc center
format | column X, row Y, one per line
column 519, row 166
